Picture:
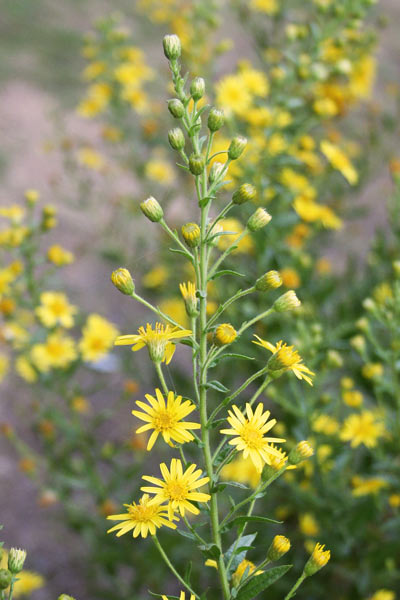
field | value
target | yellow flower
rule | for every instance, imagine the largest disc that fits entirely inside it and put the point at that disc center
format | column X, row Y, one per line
column 14, row 213
column 59, row 256
column 253, row 80
column 290, row 278
column 155, row 277
column 25, row 370
column 286, row 358
column 232, row 95
column 144, row 517
column 246, row 566
column 178, row 488
column 308, row 525
column 188, row 291
column 159, row 170
column 363, row 486
column 241, row 470
column 339, row 161
column 181, row 596
column 91, row 158
column 269, row 7
column 362, row 428
column 96, row 101
column 352, row 398
column 157, row 340
column 224, row 334
column 249, row 434
column 174, row 308
column 166, row 418
column 383, row 595
column 372, row 370
column 57, row 352
column 233, row 229
column 325, row 424
column 55, row 310
column 318, row 559
column 98, row 336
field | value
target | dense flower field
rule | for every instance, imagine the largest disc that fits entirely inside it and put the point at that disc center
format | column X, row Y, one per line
column 201, row 376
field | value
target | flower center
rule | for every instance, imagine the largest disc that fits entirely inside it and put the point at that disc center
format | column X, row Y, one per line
column 142, row 513
column 176, row 490
column 57, row 308
column 251, row 436
column 164, row 421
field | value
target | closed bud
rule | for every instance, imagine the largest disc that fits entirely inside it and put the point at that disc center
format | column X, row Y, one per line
column 188, row 291
column 287, row 301
column 172, row 47
column 216, row 119
column 191, row 234
column 224, row 334
column 244, row 193
column 152, row 210
column 197, row 88
column 196, row 164
column 269, row 281
column 31, row 196
column 176, row 139
column 301, row 452
column 176, row 108
column 258, row 219
column 236, row 147
column 123, row 281
column 318, row 559
column 215, row 172
column 5, row 578
column 334, row 359
column 16, row 559
column 65, row 597
column 280, row 545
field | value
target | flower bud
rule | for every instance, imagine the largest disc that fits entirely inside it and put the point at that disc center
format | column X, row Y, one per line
column 176, row 139
column 65, row 597
column 215, row 171
column 280, row 545
column 287, row 301
column 301, row 452
column 237, row 146
column 152, row 210
column 269, row 281
column 197, row 88
column 317, row 560
column 258, row 220
column 224, row 334
column 196, row 164
column 123, row 281
column 31, row 196
column 188, row 291
column 5, row 578
column 16, row 559
column 176, row 108
column 216, row 119
column 172, row 47
column 244, row 193
column 191, row 234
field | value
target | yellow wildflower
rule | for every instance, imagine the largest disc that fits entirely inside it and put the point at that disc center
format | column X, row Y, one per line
column 55, row 310
column 90, row 158
column 59, row 256
column 363, row 486
column 325, row 424
column 144, row 518
column 372, row 370
column 241, row 470
column 160, row 171
column 286, row 358
column 232, row 95
column 339, row 161
column 98, row 336
column 362, row 428
column 57, row 352
column 308, row 525
column 246, row 566
column 157, row 340
column 269, row 7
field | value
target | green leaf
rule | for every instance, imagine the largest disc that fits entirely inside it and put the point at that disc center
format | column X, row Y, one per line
column 188, row 573
column 239, row 554
column 200, row 112
column 259, row 583
column 226, row 272
column 248, row 519
column 185, row 254
column 204, row 201
column 186, row 534
column 217, row 385
column 233, row 355
column 210, row 551
column 236, row 484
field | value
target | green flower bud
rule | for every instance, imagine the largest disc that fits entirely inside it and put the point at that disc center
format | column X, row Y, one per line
column 269, row 281
column 237, row 146
column 172, row 47
column 176, row 139
column 317, row 560
column 123, row 281
column 216, row 119
column 65, row 597
column 259, row 219
column 287, row 301
column 5, row 578
column 197, row 88
column 16, row 559
column 301, row 452
column 176, row 108
column 215, row 172
column 244, row 193
column 152, row 210
column 191, row 234
column 196, row 164
column 280, row 545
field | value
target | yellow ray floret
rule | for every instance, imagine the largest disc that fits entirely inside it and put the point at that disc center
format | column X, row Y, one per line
column 157, row 340
column 144, row 517
column 165, row 417
column 286, row 358
column 181, row 596
column 178, row 488
column 249, row 431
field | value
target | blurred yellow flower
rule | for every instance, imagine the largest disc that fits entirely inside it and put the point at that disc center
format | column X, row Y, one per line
column 98, row 336
column 58, row 352
column 363, row 428
column 55, row 310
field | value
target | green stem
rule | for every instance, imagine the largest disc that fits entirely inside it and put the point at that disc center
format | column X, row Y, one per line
column 161, row 378
column 177, row 240
column 296, row 586
column 171, row 566
column 156, row 310
column 228, row 303
column 227, row 251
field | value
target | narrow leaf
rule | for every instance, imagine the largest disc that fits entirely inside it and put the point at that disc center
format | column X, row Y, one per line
column 259, row 583
column 226, row 272
column 217, row 385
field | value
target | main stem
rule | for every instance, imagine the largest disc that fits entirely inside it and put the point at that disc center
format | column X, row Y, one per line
column 203, row 402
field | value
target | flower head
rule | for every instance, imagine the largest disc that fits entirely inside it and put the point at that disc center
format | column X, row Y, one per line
column 55, row 310
column 166, row 418
column 363, row 428
column 98, row 335
column 58, row 351
column 144, row 517
column 188, row 291
column 280, row 545
column 250, row 431
column 245, row 568
column 285, row 358
column 317, row 560
column 177, row 487
column 224, row 334
column 157, row 340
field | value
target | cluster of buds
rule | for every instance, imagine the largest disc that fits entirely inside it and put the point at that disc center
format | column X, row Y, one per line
column 16, row 559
